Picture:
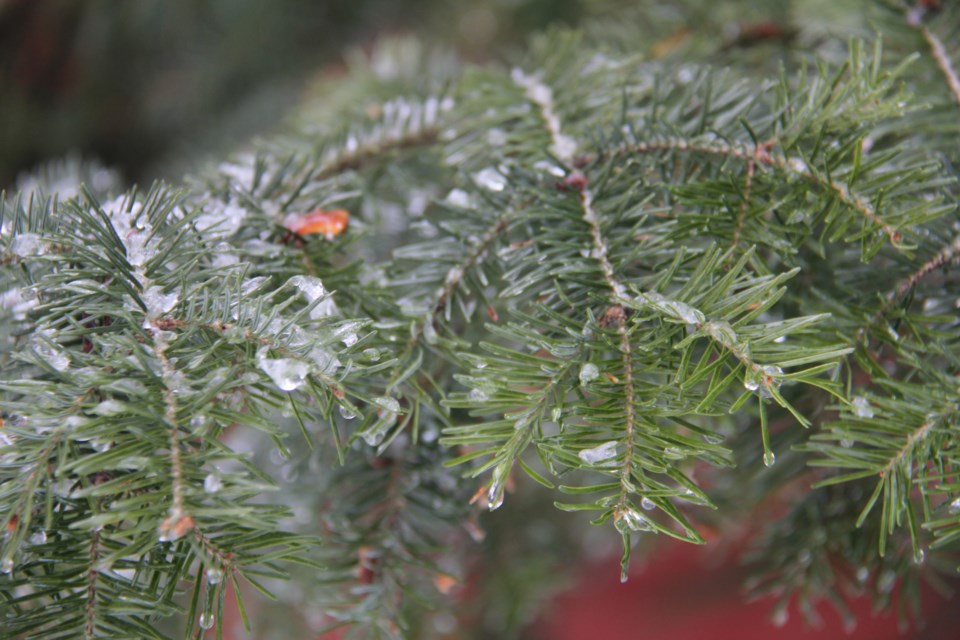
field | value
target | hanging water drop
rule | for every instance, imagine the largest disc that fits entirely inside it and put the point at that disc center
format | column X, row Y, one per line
column 287, row 373
column 212, row 483
column 429, row 332
column 38, row 538
column 388, row 404
column 600, row 453
column 648, row 504
column 347, row 413
column 588, row 373
column 769, row 458
column 751, row 379
column 371, row 354
column 6, row 565
column 198, row 421
column 206, row 620
column 955, row 506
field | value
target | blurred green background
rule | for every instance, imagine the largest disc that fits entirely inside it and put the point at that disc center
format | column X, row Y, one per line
column 150, row 86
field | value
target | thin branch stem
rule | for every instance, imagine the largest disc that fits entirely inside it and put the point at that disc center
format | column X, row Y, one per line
column 915, row 436
column 939, row 53
column 90, row 628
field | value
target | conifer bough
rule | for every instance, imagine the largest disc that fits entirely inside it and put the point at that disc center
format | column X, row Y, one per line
column 664, row 291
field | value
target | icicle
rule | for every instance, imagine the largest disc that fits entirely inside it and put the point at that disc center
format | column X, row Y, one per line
column 600, row 453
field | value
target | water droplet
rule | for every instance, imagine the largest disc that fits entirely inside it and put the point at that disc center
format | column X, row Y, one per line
column 769, row 458
column 722, row 332
column 588, row 373
column 780, row 616
column 648, row 504
column 863, row 574
column 752, row 379
column 371, row 354
column 214, row 575
column 556, row 414
column 478, row 395
column 631, row 520
column 206, row 620
column 101, row 446
column 673, row 453
column 6, row 565
column 862, row 408
column 38, row 538
column 600, row 453
column 287, row 373
column 955, row 506
column 198, row 421
column 713, row 438
column 212, row 483
column 919, row 556
column 347, row 413
column 109, row 408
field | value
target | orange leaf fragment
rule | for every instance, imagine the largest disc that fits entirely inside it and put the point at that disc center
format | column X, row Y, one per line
column 328, row 223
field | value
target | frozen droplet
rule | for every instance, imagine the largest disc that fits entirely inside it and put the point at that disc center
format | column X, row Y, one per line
column 387, row 404
column 459, row 198
column 600, row 453
column 38, row 538
column 556, row 414
column 6, row 565
column 214, row 575
column 53, row 356
column 846, row 443
column 862, row 408
column 769, row 458
column 325, row 362
column 495, row 492
column 287, row 373
column 311, row 287
column 371, row 354
column 491, row 179
column 713, row 438
column 28, row 244
column 429, row 332
column 798, row 165
column 752, row 379
column 157, row 301
column 955, row 506
column 549, row 167
column 589, row 372
column 631, row 520
column 496, row 137
column 349, row 339
column 722, row 332
column 673, row 453
column 212, row 483
column 863, row 574
column 198, row 421
column 101, row 446
column 648, row 504
column 347, row 413
column 206, row 620
column 109, row 408
column 478, row 395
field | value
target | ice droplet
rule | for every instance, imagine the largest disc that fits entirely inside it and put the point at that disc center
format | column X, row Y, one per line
column 212, row 483
column 206, row 620
column 346, row 413
column 325, row 361
column 495, row 493
column 429, row 332
column 722, row 332
column 198, row 421
column 214, row 575
column 589, row 372
column 631, row 520
column 38, row 538
column 955, row 506
column 6, row 565
column 53, row 356
column 478, row 395
column 109, row 408
column 371, row 354
column 349, row 339
column 600, row 453
column 769, row 458
column 459, row 198
column 648, row 504
column 287, row 373
column 27, row 244
column 311, row 287
column 862, row 408
column 157, row 301
column 491, row 179
column 863, row 574
column 387, row 404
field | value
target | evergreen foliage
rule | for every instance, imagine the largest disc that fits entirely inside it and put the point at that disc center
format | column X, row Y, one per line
column 664, row 281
